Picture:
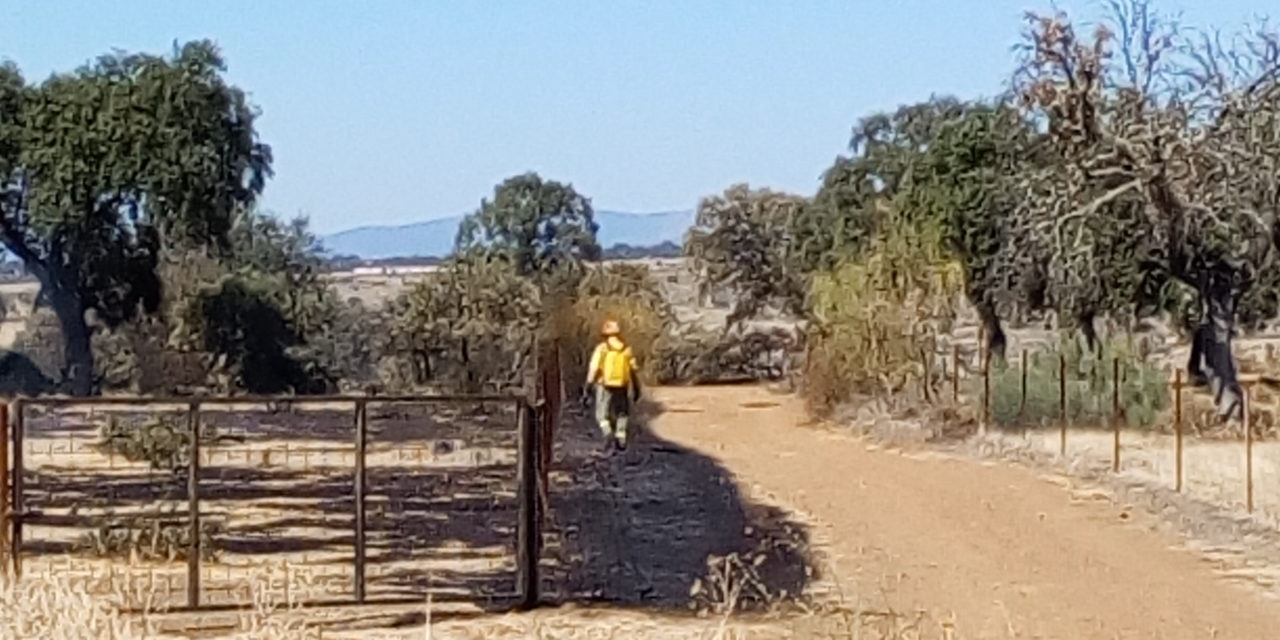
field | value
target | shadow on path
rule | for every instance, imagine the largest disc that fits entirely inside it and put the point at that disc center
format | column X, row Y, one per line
column 639, row 528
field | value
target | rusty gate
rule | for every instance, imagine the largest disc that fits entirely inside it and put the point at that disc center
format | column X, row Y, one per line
column 439, row 493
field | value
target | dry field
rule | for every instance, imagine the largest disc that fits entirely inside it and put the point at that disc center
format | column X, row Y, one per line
column 277, row 487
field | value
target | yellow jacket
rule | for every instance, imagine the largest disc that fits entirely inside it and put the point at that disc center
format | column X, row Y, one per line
column 612, row 364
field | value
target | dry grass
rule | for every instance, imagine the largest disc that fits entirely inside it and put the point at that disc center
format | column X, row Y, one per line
column 879, row 320
column 69, row 607
column 275, row 495
column 74, row 608
column 1213, row 471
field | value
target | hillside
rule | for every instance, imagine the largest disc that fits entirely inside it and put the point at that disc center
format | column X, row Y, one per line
column 434, row 238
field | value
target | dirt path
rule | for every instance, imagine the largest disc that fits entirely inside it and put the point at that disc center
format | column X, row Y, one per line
column 1008, row 553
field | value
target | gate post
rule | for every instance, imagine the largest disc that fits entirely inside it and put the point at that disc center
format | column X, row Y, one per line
column 4, row 486
column 552, row 396
column 362, row 440
column 193, row 505
column 528, row 532
column 16, row 505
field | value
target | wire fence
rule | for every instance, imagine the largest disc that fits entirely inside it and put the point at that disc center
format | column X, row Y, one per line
column 380, row 499
column 1138, row 406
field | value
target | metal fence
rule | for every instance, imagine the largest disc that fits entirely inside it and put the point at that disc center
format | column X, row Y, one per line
column 385, row 497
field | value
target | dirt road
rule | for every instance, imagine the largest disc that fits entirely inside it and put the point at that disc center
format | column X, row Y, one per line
column 1008, row 553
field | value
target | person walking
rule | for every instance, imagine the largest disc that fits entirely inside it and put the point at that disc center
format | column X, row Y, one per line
column 612, row 372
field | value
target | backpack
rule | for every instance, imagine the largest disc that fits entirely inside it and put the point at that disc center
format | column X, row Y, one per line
column 615, row 365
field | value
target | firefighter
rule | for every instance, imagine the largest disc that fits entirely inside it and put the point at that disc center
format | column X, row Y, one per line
column 617, row 388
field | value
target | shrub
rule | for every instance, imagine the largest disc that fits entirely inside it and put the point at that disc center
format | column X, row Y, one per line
column 163, row 441
column 697, row 356
column 41, row 342
column 20, row 376
column 875, row 320
column 470, row 327
column 627, row 293
column 1144, row 387
column 161, row 536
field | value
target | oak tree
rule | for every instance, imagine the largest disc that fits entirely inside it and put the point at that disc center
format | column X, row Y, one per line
column 740, row 242
column 1177, row 129
column 101, row 167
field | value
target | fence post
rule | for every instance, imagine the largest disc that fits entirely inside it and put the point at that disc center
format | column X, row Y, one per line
column 358, row 493
column 1062, row 404
column 955, row 374
column 17, row 505
column 528, row 533
column 1022, row 403
column 928, row 374
column 1115, row 413
column 986, row 392
column 1248, row 449
column 193, row 505
column 4, row 486
column 553, row 398
column 1177, row 427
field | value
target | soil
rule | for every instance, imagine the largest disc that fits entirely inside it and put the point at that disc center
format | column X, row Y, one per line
column 997, row 549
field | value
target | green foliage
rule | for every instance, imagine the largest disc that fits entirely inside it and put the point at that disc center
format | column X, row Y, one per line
column 941, row 164
column 875, row 320
column 740, row 242
column 541, row 227
column 102, row 163
column 967, row 186
column 163, row 441
column 1144, row 387
column 839, row 222
column 132, row 356
column 255, row 306
column 351, row 345
column 621, row 281
column 887, row 158
column 157, row 537
column 471, row 325
column 258, row 318
column 240, row 323
column 253, row 316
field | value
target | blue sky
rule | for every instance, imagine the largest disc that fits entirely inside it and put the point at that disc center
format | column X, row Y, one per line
column 393, row 112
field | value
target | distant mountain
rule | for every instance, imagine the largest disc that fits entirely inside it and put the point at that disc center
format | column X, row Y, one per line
column 628, row 252
column 434, row 238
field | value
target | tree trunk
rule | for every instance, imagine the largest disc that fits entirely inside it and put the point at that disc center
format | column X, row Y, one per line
column 1211, row 359
column 78, row 364
column 996, row 339
column 1090, row 332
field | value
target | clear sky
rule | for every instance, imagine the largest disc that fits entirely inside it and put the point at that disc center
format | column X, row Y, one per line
column 393, row 112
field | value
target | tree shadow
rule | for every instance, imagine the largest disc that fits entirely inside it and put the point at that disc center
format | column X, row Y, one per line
column 642, row 527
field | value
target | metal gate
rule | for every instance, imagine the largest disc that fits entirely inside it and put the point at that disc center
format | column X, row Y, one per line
column 435, row 493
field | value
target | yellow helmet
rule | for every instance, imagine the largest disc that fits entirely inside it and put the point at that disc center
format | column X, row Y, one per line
column 611, row 328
